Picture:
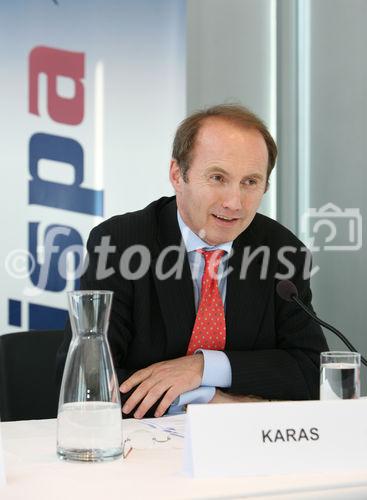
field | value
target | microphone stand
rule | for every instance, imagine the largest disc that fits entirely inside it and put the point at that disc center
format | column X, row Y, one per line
column 326, row 325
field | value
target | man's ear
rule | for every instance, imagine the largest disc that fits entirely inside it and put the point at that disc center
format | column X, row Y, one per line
column 175, row 175
column 267, row 186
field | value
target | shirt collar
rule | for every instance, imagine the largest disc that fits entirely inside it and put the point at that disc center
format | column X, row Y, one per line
column 193, row 242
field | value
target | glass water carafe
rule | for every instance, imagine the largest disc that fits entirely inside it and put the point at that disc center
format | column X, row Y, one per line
column 89, row 421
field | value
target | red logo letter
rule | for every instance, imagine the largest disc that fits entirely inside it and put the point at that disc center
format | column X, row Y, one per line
column 54, row 63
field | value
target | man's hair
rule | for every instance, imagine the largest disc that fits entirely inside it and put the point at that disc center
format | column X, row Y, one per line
column 184, row 141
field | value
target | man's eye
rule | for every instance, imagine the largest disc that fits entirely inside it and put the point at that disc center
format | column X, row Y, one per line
column 250, row 182
column 217, row 178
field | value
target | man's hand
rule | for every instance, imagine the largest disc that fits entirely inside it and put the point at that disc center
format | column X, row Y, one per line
column 169, row 378
column 224, row 397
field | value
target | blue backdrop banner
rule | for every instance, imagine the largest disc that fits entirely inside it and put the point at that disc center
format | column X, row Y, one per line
column 91, row 94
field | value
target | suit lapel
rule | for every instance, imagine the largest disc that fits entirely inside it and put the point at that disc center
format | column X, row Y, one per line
column 175, row 292
column 245, row 298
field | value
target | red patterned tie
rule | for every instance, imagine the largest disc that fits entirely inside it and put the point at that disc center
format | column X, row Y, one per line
column 209, row 330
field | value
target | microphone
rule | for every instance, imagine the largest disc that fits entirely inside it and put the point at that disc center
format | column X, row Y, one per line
column 288, row 291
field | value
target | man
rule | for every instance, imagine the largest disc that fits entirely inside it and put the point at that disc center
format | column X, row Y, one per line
column 205, row 324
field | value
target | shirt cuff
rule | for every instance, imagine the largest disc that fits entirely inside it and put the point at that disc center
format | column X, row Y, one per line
column 196, row 396
column 217, row 369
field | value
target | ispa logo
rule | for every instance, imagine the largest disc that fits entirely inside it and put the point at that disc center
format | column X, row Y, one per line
column 57, row 240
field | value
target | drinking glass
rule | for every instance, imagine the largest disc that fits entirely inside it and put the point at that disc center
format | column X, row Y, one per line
column 89, row 418
column 340, row 375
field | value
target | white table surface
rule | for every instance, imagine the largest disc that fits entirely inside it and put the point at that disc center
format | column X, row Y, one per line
column 35, row 473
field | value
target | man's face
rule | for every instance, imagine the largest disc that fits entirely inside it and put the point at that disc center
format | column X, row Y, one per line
column 225, row 182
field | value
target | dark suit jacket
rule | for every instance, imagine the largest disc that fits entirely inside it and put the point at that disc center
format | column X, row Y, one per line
column 272, row 346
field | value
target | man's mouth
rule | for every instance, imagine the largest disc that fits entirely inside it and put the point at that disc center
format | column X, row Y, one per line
column 225, row 219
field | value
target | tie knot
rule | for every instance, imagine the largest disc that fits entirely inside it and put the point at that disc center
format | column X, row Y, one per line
column 208, row 254
column 212, row 258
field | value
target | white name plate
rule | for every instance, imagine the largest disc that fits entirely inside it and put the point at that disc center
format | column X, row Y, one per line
column 2, row 465
column 250, row 439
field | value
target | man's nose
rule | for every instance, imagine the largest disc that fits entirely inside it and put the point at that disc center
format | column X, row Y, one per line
column 233, row 198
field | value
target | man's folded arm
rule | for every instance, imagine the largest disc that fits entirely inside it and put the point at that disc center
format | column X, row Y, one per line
column 201, row 395
column 274, row 374
column 217, row 373
column 217, row 369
